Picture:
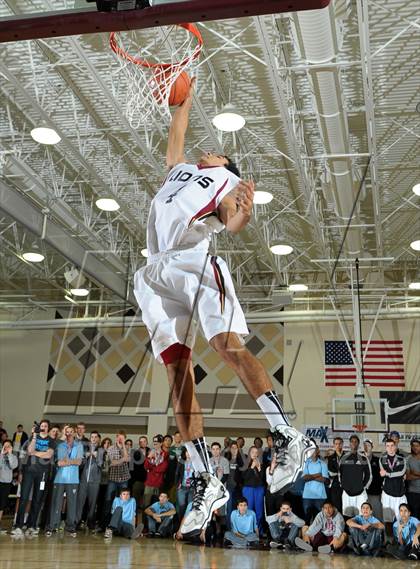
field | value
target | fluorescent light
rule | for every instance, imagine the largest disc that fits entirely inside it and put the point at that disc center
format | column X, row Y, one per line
column 69, row 298
column 144, row 252
column 228, row 120
column 107, row 204
column 79, row 291
column 416, row 189
column 298, row 287
column 281, row 249
column 262, row 197
column 33, row 257
column 415, row 245
column 414, row 286
column 45, row 135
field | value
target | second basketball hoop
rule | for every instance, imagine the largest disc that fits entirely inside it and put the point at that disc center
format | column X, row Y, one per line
column 154, row 64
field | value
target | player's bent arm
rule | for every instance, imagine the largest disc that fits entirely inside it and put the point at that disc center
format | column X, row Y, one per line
column 235, row 209
column 177, row 130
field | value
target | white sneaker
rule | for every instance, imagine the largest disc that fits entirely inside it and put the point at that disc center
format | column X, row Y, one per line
column 108, row 533
column 17, row 532
column 292, row 450
column 210, row 494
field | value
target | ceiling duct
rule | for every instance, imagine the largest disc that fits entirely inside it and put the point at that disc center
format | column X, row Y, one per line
column 316, row 37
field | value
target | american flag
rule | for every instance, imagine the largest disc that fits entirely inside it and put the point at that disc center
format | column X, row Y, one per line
column 383, row 364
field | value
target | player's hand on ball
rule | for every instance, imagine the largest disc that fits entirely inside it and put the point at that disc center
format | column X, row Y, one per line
column 245, row 196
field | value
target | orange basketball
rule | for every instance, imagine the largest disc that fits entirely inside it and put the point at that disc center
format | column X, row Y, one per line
column 179, row 90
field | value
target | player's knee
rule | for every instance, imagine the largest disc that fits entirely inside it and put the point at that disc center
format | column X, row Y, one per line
column 176, row 354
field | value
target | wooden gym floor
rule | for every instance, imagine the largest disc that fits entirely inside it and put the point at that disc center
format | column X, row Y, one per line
column 91, row 552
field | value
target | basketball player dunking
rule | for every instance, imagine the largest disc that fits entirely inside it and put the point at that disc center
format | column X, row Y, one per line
column 182, row 282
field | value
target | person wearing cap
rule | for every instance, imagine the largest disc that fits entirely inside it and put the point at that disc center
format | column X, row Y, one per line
column 393, row 467
column 355, row 478
column 413, row 478
column 375, row 488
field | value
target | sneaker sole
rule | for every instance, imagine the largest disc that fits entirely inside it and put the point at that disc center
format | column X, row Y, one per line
column 324, row 549
column 301, row 544
column 216, row 504
column 305, row 455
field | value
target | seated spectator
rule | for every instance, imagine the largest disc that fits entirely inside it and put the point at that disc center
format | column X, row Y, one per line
column 366, row 532
column 406, row 531
column 160, row 517
column 8, row 462
column 19, row 438
column 244, row 526
column 326, row 533
column 284, row 527
column 253, row 478
column 123, row 517
column 66, row 481
column 315, row 475
column 118, row 472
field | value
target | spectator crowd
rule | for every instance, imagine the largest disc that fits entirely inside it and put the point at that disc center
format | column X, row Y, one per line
column 350, row 500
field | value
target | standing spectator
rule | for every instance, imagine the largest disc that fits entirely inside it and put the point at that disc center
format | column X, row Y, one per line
column 244, row 526
column 366, row 532
column 375, row 488
column 227, row 441
column 234, row 479
column 66, row 481
column 269, row 452
column 258, row 443
column 406, row 531
column 81, row 436
column 90, row 480
column 100, row 509
column 36, row 459
column 392, row 469
column 129, row 445
column 253, row 478
column 8, row 462
column 315, row 475
column 123, row 519
column 183, row 482
column 395, row 436
column 118, row 474
column 160, row 516
column 221, row 470
column 55, row 432
column 19, row 439
column 138, row 473
column 177, row 445
column 168, row 485
column 355, row 478
column 241, row 445
column 333, row 462
column 413, row 478
column 326, row 533
column 284, row 527
column 156, row 464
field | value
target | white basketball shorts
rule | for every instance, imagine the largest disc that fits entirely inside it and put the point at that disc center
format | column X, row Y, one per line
column 391, row 506
column 177, row 289
column 352, row 504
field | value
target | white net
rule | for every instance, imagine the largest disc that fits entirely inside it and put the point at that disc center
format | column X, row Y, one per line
column 150, row 62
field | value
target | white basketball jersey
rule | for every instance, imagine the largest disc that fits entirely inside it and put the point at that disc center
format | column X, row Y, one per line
column 183, row 213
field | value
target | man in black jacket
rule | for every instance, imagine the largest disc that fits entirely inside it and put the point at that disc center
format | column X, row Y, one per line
column 333, row 462
column 375, row 488
column 392, row 469
column 355, row 477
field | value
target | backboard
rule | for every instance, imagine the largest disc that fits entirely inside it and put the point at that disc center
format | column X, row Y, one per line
column 346, row 413
column 74, row 17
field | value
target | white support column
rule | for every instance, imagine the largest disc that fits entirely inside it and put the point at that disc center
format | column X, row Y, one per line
column 159, row 398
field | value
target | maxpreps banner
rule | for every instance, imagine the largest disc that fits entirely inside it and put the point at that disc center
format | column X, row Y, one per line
column 324, row 436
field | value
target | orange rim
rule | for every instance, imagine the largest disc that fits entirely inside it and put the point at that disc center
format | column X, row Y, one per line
column 113, row 42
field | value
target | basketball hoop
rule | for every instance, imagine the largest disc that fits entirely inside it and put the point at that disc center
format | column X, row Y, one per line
column 360, row 428
column 148, row 80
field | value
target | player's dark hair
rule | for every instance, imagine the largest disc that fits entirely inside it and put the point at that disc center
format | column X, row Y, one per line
column 388, row 440
column 232, row 167
column 242, row 500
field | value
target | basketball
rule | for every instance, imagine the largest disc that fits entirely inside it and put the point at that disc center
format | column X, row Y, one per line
column 179, row 90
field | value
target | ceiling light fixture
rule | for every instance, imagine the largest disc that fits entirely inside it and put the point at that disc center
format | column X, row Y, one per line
column 414, row 286
column 261, row 198
column 415, row 245
column 228, row 119
column 79, row 291
column 281, row 249
column 107, row 204
column 45, row 135
column 298, row 287
column 416, row 189
column 144, row 252
column 33, row 257
column 70, row 299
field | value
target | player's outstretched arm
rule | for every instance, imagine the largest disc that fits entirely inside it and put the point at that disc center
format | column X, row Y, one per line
column 177, row 130
column 236, row 208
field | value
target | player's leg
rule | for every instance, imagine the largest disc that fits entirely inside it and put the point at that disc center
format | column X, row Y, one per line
column 210, row 493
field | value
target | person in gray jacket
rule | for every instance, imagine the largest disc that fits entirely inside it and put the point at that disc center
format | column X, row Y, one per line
column 90, row 480
column 8, row 462
column 326, row 533
column 284, row 527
